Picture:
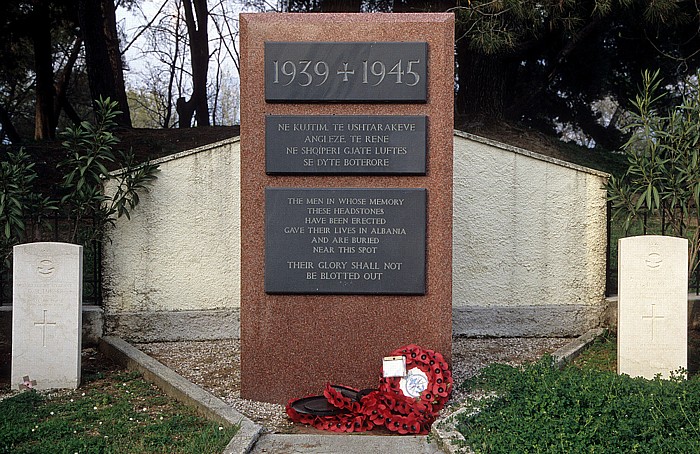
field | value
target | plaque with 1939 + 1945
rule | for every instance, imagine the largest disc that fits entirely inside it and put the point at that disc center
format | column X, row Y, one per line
column 346, row 72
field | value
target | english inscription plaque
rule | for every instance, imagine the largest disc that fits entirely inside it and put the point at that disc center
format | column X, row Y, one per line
column 346, row 72
column 345, row 241
column 345, row 144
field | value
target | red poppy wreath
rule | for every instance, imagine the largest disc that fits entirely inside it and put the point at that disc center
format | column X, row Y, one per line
column 407, row 404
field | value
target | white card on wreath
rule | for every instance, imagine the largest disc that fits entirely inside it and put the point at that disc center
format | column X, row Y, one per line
column 394, row 366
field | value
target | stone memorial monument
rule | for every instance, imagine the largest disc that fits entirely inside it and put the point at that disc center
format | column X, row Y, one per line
column 46, row 315
column 652, row 330
column 346, row 196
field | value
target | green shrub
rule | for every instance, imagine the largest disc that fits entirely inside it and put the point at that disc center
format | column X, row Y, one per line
column 542, row 409
column 20, row 203
column 663, row 173
column 79, row 195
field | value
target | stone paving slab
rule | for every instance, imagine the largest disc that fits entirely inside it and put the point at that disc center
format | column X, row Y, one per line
column 344, row 444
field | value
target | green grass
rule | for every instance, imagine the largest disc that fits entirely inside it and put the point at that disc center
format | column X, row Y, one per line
column 116, row 412
column 600, row 355
column 585, row 408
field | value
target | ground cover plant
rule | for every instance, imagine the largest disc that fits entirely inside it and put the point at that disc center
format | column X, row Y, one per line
column 585, row 408
column 114, row 411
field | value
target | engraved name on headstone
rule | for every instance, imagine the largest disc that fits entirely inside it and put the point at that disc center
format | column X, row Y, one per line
column 345, row 144
column 653, row 305
column 348, row 72
column 46, row 315
column 345, row 241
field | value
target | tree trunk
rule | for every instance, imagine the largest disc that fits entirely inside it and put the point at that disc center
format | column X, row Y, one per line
column 98, row 25
column 196, row 21
column 62, row 82
column 44, row 124
column 185, row 112
column 607, row 137
column 70, row 111
column 485, row 86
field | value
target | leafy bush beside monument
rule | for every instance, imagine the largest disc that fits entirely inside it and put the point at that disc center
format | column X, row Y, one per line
column 663, row 176
column 78, row 195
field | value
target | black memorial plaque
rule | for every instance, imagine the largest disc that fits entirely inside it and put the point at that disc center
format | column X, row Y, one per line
column 345, row 144
column 346, row 72
column 345, row 241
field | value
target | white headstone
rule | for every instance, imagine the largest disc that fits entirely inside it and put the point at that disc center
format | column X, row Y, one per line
column 46, row 315
column 652, row 330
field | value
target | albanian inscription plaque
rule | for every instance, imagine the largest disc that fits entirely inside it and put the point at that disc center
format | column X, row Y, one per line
column 345, row 144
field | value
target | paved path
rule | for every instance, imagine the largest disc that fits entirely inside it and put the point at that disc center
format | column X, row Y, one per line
column 343, row 444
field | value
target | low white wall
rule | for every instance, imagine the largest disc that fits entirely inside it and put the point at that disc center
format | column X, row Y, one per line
column 181, row 249
column 528, row 260
column 529, row 242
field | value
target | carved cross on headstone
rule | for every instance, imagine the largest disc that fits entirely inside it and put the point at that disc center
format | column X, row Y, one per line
column 43, row 325
column 653, row 317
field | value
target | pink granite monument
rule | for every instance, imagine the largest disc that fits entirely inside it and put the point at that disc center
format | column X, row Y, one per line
column 346, row 196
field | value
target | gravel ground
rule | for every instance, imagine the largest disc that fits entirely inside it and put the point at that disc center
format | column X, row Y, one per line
column 215, row 366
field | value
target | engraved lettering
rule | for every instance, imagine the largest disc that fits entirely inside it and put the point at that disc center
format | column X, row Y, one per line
column 355, row 238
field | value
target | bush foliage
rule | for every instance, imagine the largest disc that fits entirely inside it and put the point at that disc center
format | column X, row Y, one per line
column 542, row 409
column 79, row 196
column 663, row 154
